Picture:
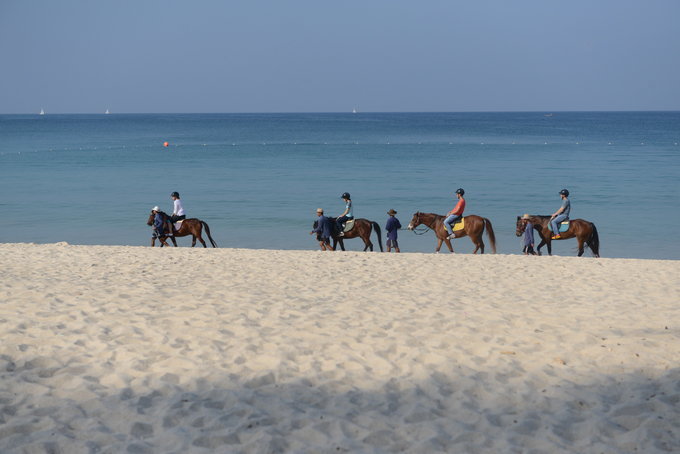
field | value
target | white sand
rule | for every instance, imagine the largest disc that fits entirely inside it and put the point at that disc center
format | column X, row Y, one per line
column 133, row 349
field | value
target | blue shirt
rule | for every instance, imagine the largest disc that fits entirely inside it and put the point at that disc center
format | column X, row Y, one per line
column 566, row 207
column 158, row 222
column 323, row 227
column 348, row 208
column 529, row 234
column 392, row 226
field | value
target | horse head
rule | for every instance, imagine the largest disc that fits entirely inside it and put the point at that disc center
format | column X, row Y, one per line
column 521, row 226
column 415, row 221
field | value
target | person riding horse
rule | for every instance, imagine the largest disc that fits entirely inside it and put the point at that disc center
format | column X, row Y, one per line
column 346, row 215
column 562, row 214
column 455, row 214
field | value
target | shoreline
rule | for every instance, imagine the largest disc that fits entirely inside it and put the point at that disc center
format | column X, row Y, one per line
column 587, row 255
column 122, row 348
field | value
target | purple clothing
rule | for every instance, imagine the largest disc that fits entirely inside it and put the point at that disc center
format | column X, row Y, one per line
column 529, row 234
column 392, row 226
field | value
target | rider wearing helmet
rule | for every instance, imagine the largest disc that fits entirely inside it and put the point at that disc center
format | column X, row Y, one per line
column 177, row 208
column 455, row 214
column 346, row 215
column 177, row 211
column 560, row 215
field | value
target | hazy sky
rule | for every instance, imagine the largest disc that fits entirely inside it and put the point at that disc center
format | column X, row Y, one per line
column 326, row 56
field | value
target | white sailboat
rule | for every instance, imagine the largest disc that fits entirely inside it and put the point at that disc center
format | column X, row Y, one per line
column 354, row 110
column 107, row 112
column 42, row 112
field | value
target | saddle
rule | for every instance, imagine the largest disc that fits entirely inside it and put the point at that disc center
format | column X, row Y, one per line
column 349, row 225
column 178, row 224
column 564, row 226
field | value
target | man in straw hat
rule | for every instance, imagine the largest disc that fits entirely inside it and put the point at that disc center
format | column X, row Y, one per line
column 323, row 229
column 528, row 239
column 391, row 227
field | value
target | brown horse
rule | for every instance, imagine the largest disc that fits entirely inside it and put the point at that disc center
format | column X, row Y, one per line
column 584, row 231
column 474, row 227
column 362, row 229
column 191, row 227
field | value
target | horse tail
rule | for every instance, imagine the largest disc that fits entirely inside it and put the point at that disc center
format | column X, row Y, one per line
column 377, row 231
column 492, row 236
column 207, row 232
column 594, row 241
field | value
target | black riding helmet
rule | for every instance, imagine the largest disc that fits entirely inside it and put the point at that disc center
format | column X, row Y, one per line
column 564, row 192
column 460, row 191
column 345, row 195
column 175, row 194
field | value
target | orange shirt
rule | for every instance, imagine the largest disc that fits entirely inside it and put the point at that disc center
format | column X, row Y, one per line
column 460, row 207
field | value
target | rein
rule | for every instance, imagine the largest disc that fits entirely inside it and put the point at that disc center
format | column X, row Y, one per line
column 421, row 231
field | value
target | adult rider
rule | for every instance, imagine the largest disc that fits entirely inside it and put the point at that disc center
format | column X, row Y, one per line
column 562, row 214
column 455, row 214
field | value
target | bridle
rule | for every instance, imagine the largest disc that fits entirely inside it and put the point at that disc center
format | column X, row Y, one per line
column 421, row 231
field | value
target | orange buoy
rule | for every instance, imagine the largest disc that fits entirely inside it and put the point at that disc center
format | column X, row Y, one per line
column 165, row 144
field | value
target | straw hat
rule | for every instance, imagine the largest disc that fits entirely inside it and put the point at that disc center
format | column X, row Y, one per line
column 391, row 212
column 526, row 216
column 319, row 210
column 156, row 208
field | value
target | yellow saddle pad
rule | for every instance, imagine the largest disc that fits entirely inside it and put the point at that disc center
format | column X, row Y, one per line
column 459, row 225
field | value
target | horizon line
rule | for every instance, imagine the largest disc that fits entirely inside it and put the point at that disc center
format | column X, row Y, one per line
column 343, row 112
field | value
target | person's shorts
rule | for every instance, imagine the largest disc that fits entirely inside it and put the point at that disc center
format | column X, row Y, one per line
column 155, row 234
column 392, row 243
column 323, row 239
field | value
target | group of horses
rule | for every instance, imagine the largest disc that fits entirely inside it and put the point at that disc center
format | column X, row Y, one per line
column 474, row 226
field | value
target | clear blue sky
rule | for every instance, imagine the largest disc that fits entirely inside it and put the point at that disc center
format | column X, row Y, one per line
column 74, row 56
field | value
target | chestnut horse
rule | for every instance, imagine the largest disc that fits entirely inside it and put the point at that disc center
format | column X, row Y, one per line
column 474, row 227
column 584, row 231
column 362, row 229
column 191, row 227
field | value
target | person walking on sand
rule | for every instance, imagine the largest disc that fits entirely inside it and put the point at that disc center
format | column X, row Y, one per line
column 158, row 227
column 323, row 231
column 346, row 215
column 455, row 214
column 392, row 226
column 562, row 214
column 528, row 239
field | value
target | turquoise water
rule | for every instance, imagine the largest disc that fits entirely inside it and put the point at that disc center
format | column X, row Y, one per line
column 257, row 179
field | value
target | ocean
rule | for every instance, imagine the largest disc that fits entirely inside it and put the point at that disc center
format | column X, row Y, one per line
column 257, row 179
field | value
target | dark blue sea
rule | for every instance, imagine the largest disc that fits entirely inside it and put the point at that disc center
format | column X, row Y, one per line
column 257, row 179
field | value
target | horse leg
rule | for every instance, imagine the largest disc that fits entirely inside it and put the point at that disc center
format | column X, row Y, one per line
column 580, row 242
column 479, row 244
column 200, row 238
column 448, row 245
column 193, row 240
column 540, row 245
column 367, row 242
column 174, row 242
column 439, row 245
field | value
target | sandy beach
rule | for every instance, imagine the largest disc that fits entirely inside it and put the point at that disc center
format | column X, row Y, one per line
column 141, row 350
